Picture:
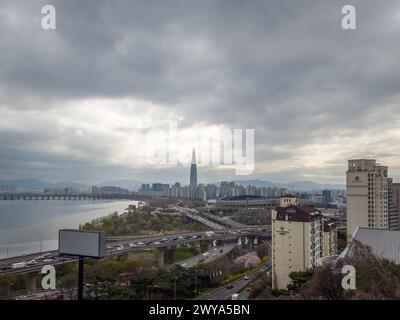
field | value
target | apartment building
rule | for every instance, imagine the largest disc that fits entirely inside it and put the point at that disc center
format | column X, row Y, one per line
column 297, row 241
column 395, row 201
column 368, row 196
column 329, row 237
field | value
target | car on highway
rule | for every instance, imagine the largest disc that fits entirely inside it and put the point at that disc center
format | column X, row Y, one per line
column 235, row 296
column 229, row 286
column 132, row 245
column 31, row 262
column 48, row 260
column 246, row 278
column 201, row 260
column 140, row 243
column 157, row 242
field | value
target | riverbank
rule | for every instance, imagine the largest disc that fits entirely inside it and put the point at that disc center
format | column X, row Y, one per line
column 28, row 226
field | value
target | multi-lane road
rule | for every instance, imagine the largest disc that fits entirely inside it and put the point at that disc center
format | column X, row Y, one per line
column 33, row 263
column 208, row 256
column 226, row 292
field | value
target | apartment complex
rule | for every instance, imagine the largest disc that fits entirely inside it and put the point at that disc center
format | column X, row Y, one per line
column 395, row 200
column 369, row 196
column 329, row 237
column 297, row 241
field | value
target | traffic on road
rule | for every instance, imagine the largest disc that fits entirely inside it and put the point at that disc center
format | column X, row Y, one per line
column 26, row 264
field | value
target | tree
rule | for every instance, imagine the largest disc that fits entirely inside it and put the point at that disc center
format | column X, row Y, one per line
column 376, row 278
column 298, row 278
column 324, row 284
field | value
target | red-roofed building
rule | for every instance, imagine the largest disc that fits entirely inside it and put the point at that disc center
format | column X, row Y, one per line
column 297, row 241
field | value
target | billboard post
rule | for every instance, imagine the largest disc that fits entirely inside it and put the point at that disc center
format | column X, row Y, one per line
column 81, row 244
column 80, row 278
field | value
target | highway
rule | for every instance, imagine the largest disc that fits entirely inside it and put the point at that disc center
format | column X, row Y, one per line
column 226, row 292
column 208, row 256
column 194, row 215
column 34, row 263
column 226, row 221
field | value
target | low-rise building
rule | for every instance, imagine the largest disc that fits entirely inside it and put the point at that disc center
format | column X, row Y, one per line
column 247, row 202
column 383, row 243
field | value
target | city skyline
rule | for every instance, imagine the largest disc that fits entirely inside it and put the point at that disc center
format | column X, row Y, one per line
column 93, row 88
column 214, row 151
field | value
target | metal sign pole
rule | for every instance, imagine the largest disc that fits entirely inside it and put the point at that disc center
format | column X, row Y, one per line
column 80, row 278
column 81, row 244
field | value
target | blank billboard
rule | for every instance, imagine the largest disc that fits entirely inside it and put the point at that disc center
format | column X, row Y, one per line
column 82, row 243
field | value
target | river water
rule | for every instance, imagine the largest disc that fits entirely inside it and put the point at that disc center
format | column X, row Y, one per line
column 28, row 226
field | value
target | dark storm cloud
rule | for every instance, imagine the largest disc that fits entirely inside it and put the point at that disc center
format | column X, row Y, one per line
column 285, row 68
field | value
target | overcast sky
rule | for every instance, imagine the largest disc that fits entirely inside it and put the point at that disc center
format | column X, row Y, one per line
column 77, row 103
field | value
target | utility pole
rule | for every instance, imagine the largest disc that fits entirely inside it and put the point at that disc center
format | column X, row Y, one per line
column 41, row 243
column 7, row 252
column 195, row 283
column 80, row 278
column 175, row 289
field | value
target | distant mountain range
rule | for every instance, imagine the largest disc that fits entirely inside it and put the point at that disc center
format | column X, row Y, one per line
column 134, row 185
column 131, row 185
column 39, row 184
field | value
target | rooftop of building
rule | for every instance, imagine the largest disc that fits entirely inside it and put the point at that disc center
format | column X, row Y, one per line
column 289, row 196
column 244, row 197
column 383, row 243
column 299, row 213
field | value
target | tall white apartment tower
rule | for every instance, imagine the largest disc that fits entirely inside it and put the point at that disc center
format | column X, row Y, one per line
column 368, row 194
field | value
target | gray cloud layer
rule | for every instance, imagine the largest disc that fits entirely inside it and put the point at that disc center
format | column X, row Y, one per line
column 315, row 94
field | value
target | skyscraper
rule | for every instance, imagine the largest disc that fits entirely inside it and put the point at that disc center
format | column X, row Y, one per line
column 368, row 196
column 193, row 171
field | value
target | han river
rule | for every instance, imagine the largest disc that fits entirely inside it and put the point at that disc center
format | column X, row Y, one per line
column 28, row 226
